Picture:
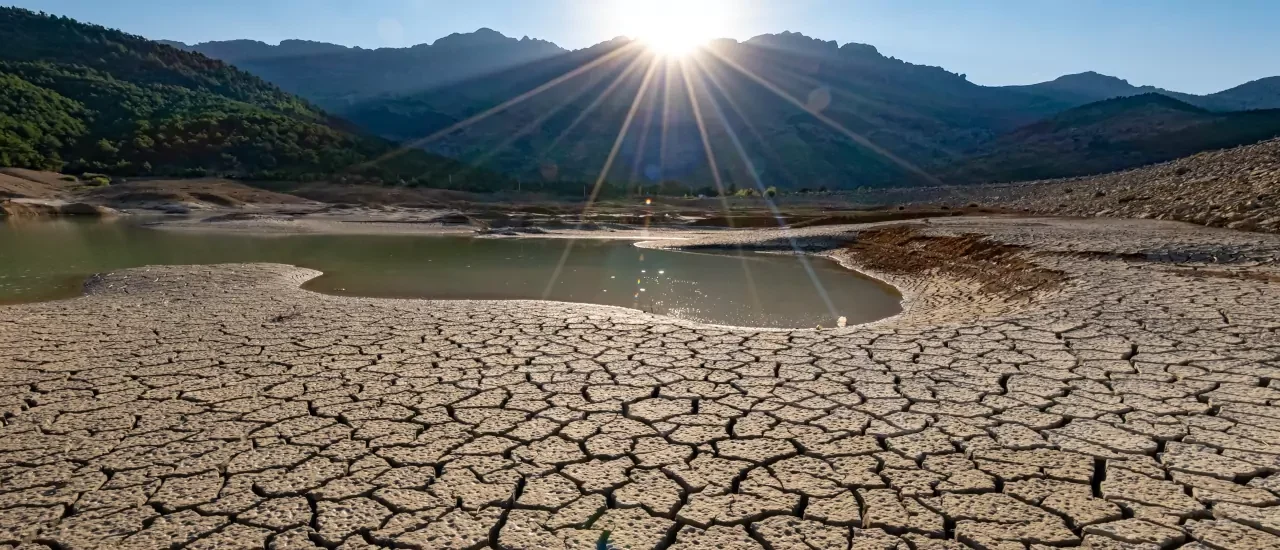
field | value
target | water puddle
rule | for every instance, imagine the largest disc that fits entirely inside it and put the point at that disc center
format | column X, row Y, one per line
column 50, row 259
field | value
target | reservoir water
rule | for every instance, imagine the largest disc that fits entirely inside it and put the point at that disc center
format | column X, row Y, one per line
column 49, row 260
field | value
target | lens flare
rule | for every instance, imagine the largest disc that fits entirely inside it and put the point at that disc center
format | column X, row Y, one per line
column 673, row 28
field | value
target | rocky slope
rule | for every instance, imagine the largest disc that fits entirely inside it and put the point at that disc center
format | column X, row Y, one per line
column 1236, row 188
column 1110, row 135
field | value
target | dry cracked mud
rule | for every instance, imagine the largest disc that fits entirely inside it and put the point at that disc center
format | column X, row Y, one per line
column 1131, row 406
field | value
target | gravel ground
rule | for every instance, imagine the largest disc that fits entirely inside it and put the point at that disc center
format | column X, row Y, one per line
column 1235, row 188
column 1132, row 406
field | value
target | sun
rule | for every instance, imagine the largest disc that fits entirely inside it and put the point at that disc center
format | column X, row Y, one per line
column 672, row 44
column 673, row 28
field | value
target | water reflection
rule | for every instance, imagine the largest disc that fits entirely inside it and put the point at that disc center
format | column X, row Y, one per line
column 49, row 260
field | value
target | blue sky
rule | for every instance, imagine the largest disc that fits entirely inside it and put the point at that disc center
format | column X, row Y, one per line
column 1185, row 45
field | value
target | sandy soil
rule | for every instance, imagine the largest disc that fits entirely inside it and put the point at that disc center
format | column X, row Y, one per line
column 21, row 183
column 204, row 193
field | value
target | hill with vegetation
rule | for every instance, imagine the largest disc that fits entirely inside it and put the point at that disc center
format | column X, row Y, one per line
column 84, row 98
column 1112, row 135
column 1088, row 87
column 773, row 112
column 781, row 110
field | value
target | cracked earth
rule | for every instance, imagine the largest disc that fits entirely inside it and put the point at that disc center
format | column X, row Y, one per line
column 1133, row 406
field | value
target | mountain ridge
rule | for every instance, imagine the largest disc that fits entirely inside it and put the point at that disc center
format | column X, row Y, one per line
column 780, row 109
column 1111, row 135
column 82, row 97
column 294, row 46
column 270, row 61
column 932, row 118
column 333, row 75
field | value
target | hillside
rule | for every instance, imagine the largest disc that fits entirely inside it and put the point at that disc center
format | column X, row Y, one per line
column 783, row 110
column 787, row 109
column 1235, row 188
column 925, row 117
column 1263, row 93
column 335, row 76
column 1112, row 135
column 1088, row 87
column 77, row 97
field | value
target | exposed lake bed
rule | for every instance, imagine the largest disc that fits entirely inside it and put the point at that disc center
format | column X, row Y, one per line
column 230, row 390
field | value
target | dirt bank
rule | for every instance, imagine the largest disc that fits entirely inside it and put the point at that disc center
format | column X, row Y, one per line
column 52, row 208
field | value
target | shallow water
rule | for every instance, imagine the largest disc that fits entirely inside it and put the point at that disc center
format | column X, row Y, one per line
column 50, row 259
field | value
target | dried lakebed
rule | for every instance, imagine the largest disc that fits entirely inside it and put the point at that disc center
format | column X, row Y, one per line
column 1127, row 402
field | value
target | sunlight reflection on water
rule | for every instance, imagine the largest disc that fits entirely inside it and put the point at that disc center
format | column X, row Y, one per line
column 50, row 260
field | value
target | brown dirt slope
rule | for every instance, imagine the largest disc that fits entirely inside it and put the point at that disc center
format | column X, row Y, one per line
column 215, row 191
column 32, row 184
column 999, row 268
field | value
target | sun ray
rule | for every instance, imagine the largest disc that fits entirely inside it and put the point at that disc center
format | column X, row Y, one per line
column 773, row 209
column 595, row 103
column 478, row 161
column 702, row 128
column 637, row 164
column 724, row 92
column 854, row 136
column 419, row 142
column 837, row 91
column 604, row 173
column 669, row 68
column 715, row 176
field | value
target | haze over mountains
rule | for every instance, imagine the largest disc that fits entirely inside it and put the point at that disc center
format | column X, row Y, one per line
column 782, row 110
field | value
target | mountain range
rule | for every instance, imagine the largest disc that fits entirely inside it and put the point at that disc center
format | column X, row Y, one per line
column 779, row 109
column 334, row 76
column 1110, row 135
column 782, row 109
column 1087, row 87
column 489, row 51
column 84, row 98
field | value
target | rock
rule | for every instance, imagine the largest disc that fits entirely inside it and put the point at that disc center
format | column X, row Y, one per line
column 85, row 209
column 1137, row 531
column 1231, row 535
column 1229, row 188
column 36, row 208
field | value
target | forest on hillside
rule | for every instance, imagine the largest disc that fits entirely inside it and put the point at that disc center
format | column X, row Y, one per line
column 83, row 98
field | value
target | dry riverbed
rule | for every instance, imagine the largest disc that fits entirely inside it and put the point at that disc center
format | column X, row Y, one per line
column 1127, row 400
